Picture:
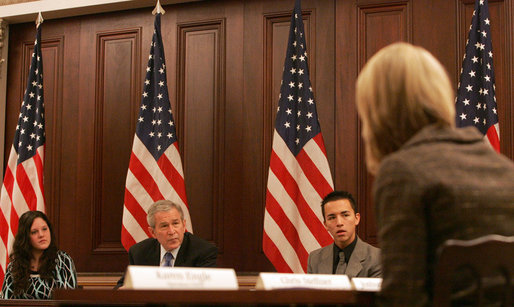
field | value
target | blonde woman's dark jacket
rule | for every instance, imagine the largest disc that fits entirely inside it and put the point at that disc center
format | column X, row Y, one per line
column 442, row 184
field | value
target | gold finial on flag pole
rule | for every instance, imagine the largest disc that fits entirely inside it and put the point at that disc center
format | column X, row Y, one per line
column 39, row 20
column 158, row 8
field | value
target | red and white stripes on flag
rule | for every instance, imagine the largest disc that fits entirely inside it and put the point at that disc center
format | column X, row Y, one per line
column 296, row 186
column 22, row 188
column 155, row 168
column 493, row 137
column 299, row 175
column 148, row 181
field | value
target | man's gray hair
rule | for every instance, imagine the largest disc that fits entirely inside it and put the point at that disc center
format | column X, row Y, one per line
column 162, row 205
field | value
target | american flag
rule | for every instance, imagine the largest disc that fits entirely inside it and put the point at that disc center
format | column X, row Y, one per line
column 476, row 100
column 155, row 168
column 299, row 175
column 22, row 189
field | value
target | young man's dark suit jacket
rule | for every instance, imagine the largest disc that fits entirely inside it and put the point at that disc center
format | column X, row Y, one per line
column 193, row 252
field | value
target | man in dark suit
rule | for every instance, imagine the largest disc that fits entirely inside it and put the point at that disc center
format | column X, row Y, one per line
column 171, row 244
column 348, row 254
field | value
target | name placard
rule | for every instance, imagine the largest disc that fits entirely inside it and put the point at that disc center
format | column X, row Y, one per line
column 270, row 281
column 179, row 278
column 367, row 284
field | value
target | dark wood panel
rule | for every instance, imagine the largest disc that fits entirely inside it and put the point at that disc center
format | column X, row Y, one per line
column 118, row 61
column 200, row 107
column 112, row 71
column 346, row 122
column 235, row 204
column 67, row 224
column 52, row 59
column 218, row 219
column 253, row 129
column 433, row 28
column 379, row 25
column 52, row 51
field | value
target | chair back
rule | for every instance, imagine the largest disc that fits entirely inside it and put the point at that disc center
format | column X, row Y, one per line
column 479, row 272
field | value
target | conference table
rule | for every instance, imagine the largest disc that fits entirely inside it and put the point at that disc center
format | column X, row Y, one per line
column 289, row 297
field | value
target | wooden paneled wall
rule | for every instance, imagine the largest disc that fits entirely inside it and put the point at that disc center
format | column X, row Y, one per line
column 225, row 61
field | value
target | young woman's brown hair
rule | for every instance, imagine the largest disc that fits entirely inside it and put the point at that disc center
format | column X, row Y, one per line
column 22, row 253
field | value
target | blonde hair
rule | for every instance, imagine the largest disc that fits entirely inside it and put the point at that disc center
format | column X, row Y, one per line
column 400, row 90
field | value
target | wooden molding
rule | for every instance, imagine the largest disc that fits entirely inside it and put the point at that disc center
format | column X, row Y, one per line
column 117, row 104
column 200, row 91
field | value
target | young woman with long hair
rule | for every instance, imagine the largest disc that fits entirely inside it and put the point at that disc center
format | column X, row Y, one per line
column 36, row 265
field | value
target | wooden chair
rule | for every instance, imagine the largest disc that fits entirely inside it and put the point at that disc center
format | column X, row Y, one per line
column 485, row 264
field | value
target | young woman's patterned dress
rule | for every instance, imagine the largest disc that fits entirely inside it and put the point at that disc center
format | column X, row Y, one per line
column 64, row 277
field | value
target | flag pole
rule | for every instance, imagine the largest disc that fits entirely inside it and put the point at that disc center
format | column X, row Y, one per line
column 158, row 9
column 39, row 20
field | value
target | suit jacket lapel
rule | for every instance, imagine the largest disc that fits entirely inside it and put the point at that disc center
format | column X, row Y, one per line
column 327, row 259
column 154, row 255
column 181, row 256
column 354, row 264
